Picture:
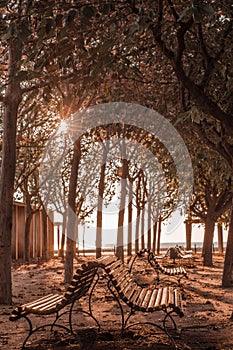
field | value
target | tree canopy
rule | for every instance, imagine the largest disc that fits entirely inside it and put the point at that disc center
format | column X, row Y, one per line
column 58, row 57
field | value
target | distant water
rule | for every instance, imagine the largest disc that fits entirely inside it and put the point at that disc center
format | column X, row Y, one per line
column 172, row 244
column 195, row 246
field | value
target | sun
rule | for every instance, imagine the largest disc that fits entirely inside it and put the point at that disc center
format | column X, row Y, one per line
column 63, row 127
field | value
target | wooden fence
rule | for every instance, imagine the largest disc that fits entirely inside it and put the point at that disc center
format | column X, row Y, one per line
column 36, row 233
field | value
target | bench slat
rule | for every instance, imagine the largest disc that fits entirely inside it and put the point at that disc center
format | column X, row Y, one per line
column 122, row 284
column 106, row 261
column 118, row 271
column 178, row 302
column 152, row 299
column 111, row 268
column 79, row 273
column 170, row 271
column 45, row 303
column 37, row 301
column 164, row 298
column 135, row 296
column 141, row 297
column 129, row 290
column 69, row 296
column 117, row 280
column 80, row 285
column 158, row 298
column 146, row 300
column 51, row 305
column 122, row 292
column 171, row 300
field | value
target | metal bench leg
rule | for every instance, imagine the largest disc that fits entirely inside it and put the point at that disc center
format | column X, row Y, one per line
column 89, row 313
column 119, row 304
column 89, row 301
column 32, row 331
column 132, row 312
column 168, row 314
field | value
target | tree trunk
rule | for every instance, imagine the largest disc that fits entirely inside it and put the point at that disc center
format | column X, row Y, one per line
column 72, row 218
column 188, row 226
column 207, row 250
column 58, row 239
column 11, row 103
column 154, row 236
column 220, row 238
column 130, row 217
column 63, row 235
column 227, row 278
column 137, row 229
column 149, row 226
column 143, row 229
column 100, row 202
column 45, row 250
column 29, row 215
column 159, row 235
column 121, row 215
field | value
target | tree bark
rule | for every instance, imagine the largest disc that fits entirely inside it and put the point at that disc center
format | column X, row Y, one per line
column 100, row 202
column 63, row 235
column 220, row 238
column 121, row 215
column 227, row 278
column 154, row 236
column 12, row 100
column 130, row 217
column 143, row 229
column 137, row 229
column 159, row 235
column 29, row 215
column 207, row 250
column 203, row 101
column 188, row 226
column 149, row 226
column 72, row 219
column 45, row 250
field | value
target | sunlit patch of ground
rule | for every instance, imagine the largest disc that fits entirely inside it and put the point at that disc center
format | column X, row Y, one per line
column 206, row 325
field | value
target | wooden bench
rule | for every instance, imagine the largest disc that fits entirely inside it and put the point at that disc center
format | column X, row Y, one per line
column 184, row 254
column 177, row 272
column 177, row 253
column 124, row 288
column 83, row 281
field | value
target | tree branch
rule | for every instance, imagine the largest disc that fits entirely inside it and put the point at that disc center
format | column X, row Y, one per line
column 219, row 147
column 184, row 27
column 175, row 14
column 204, row 102
column 209, row 61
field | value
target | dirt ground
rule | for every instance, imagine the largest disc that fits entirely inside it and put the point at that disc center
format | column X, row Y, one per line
column 207, row 322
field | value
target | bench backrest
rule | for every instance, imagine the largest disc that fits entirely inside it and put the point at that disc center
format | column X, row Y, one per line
column 81, row 282
column 137, row 297
column 156, row 265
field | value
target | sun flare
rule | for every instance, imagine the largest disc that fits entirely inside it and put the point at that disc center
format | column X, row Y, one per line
column 63, row 127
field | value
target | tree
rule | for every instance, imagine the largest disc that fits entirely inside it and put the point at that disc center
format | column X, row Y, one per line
column 148, row 50
column 17, row 32
column 212, row 193
column 37, row 38
column 12, row 99
column 200, row 53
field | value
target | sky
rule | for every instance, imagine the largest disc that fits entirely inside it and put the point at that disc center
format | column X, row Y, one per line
column 172, row 232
